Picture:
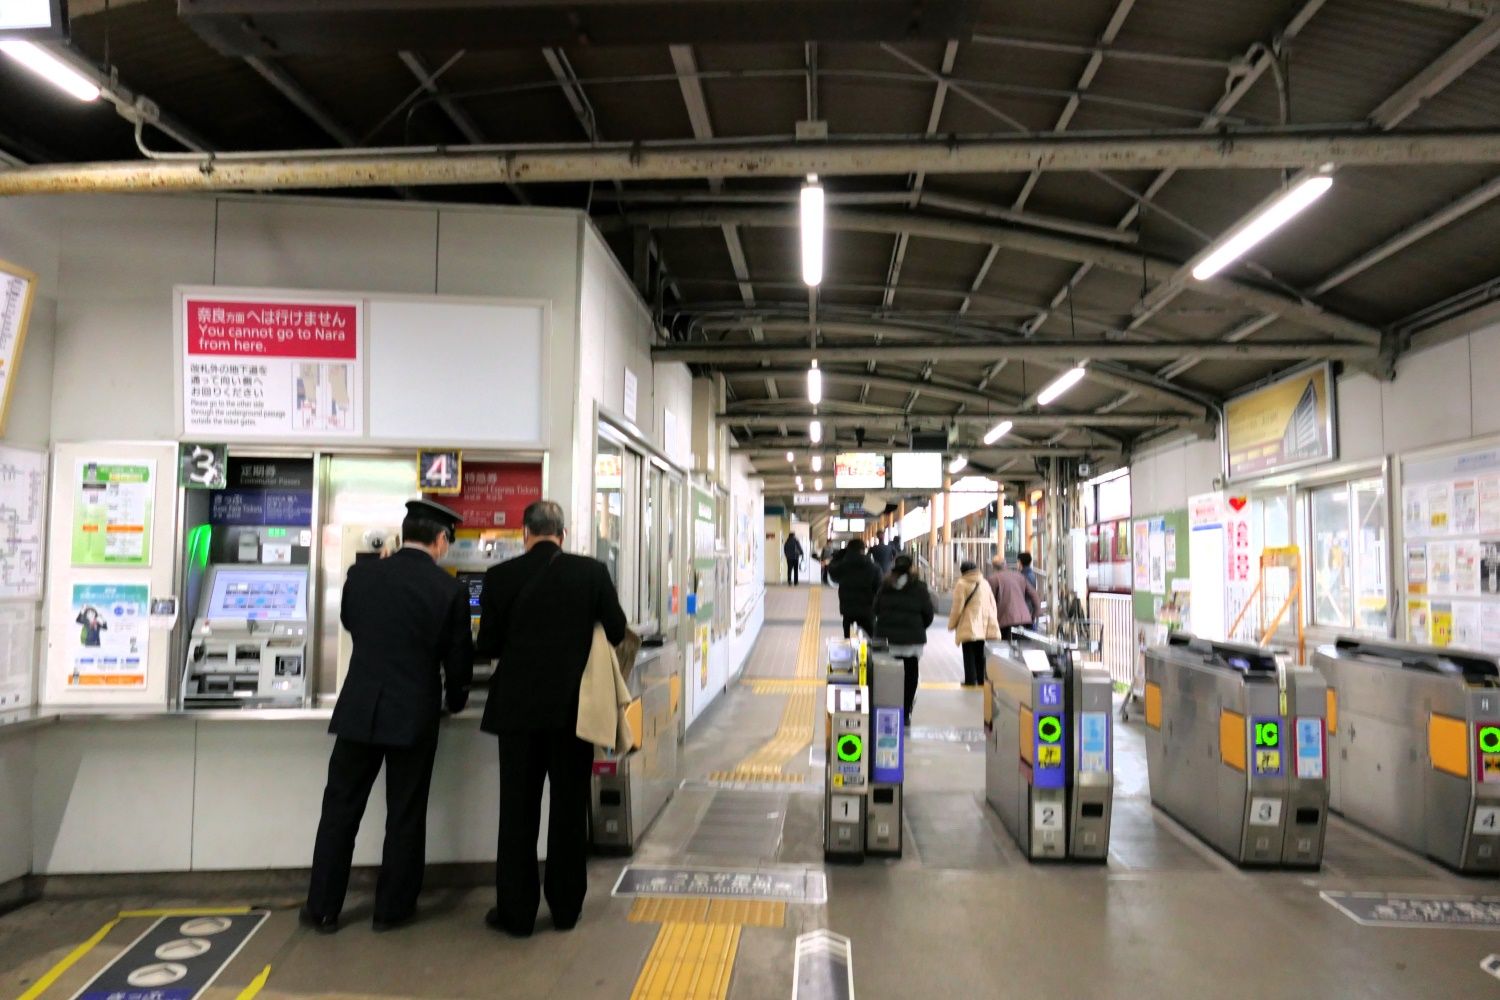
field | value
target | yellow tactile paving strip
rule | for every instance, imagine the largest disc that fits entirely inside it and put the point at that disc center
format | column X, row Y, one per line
column 702, row 910
column 689, row 961
column 798, row 719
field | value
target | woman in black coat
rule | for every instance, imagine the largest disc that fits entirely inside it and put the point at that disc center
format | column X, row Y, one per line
column 903, row 612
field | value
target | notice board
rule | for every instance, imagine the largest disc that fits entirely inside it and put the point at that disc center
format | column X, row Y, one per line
column 1159, row 559
column 1450, row 521
column 17, row 292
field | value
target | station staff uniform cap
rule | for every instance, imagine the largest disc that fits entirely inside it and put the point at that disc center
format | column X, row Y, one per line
column 434, row 511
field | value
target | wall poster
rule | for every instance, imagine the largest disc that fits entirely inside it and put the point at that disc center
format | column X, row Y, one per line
column 262, row 364
column 17, row 653
column 23, row 524
column 1285, row 425
column 17, row 291
column 1450, row 514
column 113, row 636
column 112, row 504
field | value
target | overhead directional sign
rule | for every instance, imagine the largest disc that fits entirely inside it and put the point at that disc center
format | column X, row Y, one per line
column 810, row 500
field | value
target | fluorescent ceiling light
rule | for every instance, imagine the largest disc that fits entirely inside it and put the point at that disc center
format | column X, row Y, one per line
column 1059, row 385
column 817, row 463
column 815, row 431
column 799, row 482
column 52, row 69
column 998, row 431
column 818, row 485
column 959, row 463
column 790, row 457
column 812, row 232
column 814, row 385
column 1265, row 222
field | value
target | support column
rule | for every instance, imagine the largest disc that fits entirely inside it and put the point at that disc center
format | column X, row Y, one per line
column 999, row 524
column 945, row 563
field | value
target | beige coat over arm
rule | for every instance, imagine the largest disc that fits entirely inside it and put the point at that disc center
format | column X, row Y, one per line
column 973, row 615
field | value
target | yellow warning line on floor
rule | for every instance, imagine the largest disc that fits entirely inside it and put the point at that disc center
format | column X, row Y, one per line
column 689, row 962
column 799, row 718
column 701, row 910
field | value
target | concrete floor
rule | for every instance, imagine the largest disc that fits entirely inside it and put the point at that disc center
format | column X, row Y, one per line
column 960, row 915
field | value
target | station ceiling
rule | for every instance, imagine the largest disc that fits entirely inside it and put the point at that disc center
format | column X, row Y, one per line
column 999, row 278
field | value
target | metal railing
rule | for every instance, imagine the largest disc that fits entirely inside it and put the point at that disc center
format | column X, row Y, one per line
column 1115, row 616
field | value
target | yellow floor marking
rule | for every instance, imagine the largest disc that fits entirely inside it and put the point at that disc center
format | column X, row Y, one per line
column 53, row 974
column 255, row 984
column 702, row 910
column 799, row 718
column 689, row 962
column 747, row 913
column 659, row 910
column 187, row 911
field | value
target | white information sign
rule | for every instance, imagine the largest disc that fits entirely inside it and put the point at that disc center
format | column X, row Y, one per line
column 17, row 289
column 261, row 363
column 17, row 653
column 23, row 525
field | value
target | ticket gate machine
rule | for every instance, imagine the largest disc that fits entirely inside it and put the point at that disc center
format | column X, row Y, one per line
column 1049, row 758
column 1416, row 731
column 628, row 791
column 1236, row 749
column 865, row 752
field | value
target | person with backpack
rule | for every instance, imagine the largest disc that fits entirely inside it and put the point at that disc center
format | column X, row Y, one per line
column 903, row 611
column 858, row 579
column 792, row 549
column 973, row 620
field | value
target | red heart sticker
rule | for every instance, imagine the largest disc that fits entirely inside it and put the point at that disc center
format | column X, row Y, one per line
column 1238, row 503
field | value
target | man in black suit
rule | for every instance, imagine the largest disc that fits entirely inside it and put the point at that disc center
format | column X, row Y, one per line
column 538, row 613
column 858, row 579
column 410, row 623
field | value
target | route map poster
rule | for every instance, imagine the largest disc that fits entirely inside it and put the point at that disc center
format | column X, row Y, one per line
column 23, row 524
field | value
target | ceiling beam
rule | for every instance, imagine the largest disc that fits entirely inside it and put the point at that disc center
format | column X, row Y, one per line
column 755, row 452
column 1069, row 351
column 651, row 161
column 739, row 417
column 890, row 380
column 1051, row 245
column 300, row 99
column 1473, row 8
column 458, row 116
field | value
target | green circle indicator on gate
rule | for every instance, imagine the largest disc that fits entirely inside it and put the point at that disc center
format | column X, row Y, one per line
column 1489, row 739
column 850, row 748
column 1049, row 729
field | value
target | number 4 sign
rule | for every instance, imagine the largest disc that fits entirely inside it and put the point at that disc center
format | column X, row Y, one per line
column 440, row 472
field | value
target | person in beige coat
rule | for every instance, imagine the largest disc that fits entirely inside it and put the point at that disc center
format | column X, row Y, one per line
column 973, row 620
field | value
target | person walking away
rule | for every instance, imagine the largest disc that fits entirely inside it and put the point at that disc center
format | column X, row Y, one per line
column 412, row 654
column 903, row 612
column 972, row 620
column 1014, row 597
column 537, row 618
column 823, row 564
column 884, row 557
column 1030, row 574
column 792, row 549
column 858, row 579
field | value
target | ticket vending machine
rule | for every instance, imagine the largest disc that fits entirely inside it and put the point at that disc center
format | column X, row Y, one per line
column 248, row 644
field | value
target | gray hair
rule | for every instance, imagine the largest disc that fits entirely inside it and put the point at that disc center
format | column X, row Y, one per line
column 544, row 519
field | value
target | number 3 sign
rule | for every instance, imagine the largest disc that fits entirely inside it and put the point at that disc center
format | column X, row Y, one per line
column 440, row 472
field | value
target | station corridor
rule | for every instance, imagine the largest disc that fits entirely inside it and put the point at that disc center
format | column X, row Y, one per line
column 961, row 914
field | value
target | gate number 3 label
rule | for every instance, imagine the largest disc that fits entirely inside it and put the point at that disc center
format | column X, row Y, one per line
column 1265, row 812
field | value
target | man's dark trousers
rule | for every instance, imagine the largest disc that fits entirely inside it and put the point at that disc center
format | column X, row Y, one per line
column 352, row 769
column 527, row 758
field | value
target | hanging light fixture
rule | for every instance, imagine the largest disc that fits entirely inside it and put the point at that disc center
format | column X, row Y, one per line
column 50, row 68
column 998, row 431
column 818, row 485
column 814, row 384
column 1271, row 217
column 815, row 431
column 812, row 232
column 1060, row 385
column 790, row 457
column 817, row 463
column 959, row 463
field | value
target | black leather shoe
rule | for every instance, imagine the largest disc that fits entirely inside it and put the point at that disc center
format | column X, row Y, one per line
column 382, row 924
column 564, row 924
column 323, row 925
column 493, row 921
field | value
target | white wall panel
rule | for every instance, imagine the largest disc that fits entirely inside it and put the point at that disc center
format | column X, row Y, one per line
column 113, row 797
column 258, row 792
column 1361, row 417
column 1428, row 402
column 363, row 247
column 17, row 761
column 1484, row 379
